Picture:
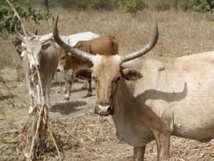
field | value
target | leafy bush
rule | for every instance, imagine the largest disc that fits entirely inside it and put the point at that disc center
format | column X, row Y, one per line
column 9, row 23
column 132, row 5
column 160, row 4
column 86, row 4
column 200, row 5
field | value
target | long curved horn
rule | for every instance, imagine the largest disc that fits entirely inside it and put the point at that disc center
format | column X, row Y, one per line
column 147, row 48
column 36, row 31
column 65, row 46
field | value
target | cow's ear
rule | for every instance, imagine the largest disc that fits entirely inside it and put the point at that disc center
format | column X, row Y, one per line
column 131, row 74
column 83, row 74
column 45, row 46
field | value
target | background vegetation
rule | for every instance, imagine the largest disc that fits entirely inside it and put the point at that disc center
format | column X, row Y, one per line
column 39, row 11
column 27, row 11
column 132, row 5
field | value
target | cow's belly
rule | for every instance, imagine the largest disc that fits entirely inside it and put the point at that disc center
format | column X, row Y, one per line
column 194, row 119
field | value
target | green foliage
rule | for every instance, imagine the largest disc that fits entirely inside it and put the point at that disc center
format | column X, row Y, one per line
column 132, row 5
column 196, row 5
column 161, row 4
column 200, row 5
column 86, row 4
column 9, row 23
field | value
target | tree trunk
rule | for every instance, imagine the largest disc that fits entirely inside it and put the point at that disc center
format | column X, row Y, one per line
column 46, row 3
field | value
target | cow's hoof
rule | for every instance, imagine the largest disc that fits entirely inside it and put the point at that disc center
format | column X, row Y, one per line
column 67, row 97
column 89, row 94
column 85, row 86
column 31, row 109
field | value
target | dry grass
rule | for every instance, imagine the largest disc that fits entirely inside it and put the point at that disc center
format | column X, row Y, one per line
column 87, row 137
column 181, row 33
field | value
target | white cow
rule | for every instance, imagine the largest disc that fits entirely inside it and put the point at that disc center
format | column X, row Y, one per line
column 44, row 57
column 166, row 96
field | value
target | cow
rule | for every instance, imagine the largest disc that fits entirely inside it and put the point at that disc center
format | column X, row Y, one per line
column 41, row 55
column 70, row 39
column 152, row 98
column 104, row 45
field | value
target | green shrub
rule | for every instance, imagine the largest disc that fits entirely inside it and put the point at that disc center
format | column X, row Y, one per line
column 132, row 6
column 9, row 23
column 86, row 4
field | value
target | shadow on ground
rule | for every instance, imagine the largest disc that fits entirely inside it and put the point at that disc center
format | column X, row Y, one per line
column 67, row 107
column 6, row 97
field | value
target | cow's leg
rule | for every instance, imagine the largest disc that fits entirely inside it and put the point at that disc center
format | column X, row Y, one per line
column 48, row 87
column 70, row 83
column 31, row 94
column 65, row 90
column 85, row 85
column 60, row 84
column 162, row 141
column 138, row 153
column 89, row 88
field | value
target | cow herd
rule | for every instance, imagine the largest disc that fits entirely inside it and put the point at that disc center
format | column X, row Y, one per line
column 149, row 98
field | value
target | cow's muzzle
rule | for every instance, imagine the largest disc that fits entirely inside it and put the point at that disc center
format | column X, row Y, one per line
column 104, row 109
column 35, row 66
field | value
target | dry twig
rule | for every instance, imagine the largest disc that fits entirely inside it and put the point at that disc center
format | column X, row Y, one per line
column 39, row 129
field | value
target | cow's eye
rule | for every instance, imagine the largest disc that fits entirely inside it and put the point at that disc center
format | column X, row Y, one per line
column 116, row 79
column 63, row 57
column 94, row 79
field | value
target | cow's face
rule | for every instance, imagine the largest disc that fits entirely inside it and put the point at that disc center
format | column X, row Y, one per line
column 63, row 60
column 107, row 74
column 34, row 53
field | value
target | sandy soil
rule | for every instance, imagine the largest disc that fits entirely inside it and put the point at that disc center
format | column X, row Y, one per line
column 84, row 135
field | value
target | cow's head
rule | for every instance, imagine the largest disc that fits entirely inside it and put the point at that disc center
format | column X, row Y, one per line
column 33, row 48
column 63, row 60
column 107, row 74
column 31, row 43
column 107, row 71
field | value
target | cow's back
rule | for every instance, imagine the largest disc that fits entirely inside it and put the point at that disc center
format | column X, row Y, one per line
column 106, row 45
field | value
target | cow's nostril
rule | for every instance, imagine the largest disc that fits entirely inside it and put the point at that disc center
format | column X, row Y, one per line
column 111, row 110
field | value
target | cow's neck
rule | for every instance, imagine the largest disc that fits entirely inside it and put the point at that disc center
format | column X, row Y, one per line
column 125, row 113
column 124, row 102
column 134, row 122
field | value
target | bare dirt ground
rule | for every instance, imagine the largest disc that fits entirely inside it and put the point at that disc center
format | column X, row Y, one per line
column 83, row 135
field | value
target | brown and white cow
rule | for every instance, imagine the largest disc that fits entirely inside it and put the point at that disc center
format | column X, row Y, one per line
column 166, row 96
column 104, row 45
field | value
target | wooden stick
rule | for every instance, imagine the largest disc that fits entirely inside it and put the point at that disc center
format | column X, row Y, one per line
column 55, row 144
